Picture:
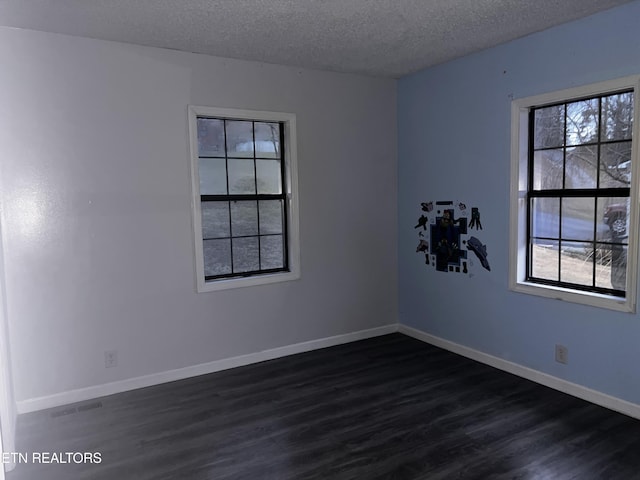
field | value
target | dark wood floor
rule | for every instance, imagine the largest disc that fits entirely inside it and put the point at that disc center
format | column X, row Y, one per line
column 385, row 408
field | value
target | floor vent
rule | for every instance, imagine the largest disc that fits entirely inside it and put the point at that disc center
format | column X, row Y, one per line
column 79, row 408
column 89, row 406
column 62, row 413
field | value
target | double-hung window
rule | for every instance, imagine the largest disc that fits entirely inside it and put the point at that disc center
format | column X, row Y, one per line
column 244, row 197
column 574, row 213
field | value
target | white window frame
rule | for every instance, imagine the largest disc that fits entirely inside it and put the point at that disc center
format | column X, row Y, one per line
column 518, row 218
column 291, row 177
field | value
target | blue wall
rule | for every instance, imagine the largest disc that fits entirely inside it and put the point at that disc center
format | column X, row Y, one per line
column 454, row 143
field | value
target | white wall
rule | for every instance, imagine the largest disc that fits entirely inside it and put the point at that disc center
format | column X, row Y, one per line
column 2, row 449
column 8, row 414
column 98, row 236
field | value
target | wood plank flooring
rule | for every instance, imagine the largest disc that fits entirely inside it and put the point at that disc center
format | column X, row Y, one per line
column 389, row 408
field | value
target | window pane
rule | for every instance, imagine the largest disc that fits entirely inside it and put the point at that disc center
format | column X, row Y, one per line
column 217, row 257
column 546, row 217
column 245, row 254
column 582, row 122
column 611, row 266
column 547, row 169
column 576, row 263
column 267, row 140
column 581, row 167
column 244, row 218
column 242, row 176
column 615, row 165
column 580, row 152
column 269, row 176
column 239, row 138
column 213, row 176
column 210, row 137
column 613, row 213
column 544, row 259
column 215, row 219
column 271, row 252
column 617, row 116
column 271, row 213
column 578, row 218
column 549, row 127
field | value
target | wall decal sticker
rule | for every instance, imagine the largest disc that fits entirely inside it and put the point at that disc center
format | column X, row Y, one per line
column 427, row 206
column 422, row 222
column 423, row 246
column 442, row 237
column 445, row 235
column 480, row 250
column 475, row 219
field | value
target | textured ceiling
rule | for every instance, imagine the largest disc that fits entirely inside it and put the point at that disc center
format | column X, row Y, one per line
column 375, row 37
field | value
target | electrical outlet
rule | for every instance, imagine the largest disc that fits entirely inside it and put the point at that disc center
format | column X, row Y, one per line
column 110, row 359
column 562, row 354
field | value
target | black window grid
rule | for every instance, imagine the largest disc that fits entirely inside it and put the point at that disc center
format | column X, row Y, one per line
column 229, row 198
column 561, row 193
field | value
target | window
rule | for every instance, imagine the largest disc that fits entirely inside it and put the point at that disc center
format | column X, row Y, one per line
column 573, row 224
column 244, row 197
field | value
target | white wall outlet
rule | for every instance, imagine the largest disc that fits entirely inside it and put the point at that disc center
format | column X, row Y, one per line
column 110, row 359
column 562, row 354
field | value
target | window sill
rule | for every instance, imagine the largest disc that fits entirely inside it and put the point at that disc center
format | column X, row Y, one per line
column 585, row 298
column 229, row 283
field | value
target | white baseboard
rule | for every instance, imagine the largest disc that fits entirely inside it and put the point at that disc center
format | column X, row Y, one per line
column 89, row 393
column 593, row 396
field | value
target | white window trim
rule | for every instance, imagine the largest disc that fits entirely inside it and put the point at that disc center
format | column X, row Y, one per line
column 291, row 175
column 517, row 243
